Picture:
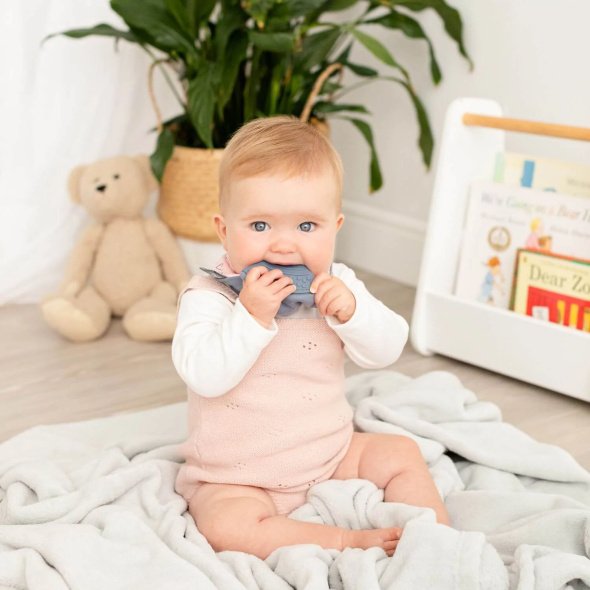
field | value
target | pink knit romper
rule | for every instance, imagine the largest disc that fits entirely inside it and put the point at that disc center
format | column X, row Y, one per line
column 284, row 427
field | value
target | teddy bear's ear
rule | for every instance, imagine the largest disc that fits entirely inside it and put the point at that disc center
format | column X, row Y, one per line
column 144, row 162
column 74, row 183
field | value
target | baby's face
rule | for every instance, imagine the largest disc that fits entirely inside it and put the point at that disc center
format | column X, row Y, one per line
column 283, row 221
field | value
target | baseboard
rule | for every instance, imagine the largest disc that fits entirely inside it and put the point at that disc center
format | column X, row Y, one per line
column 385, row 243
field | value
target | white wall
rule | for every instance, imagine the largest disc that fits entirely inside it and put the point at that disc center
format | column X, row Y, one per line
column 529, row 55
column 63, row 103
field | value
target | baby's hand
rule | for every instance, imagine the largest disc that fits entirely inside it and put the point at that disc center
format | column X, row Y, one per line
column 263, row 292
column 333, row 297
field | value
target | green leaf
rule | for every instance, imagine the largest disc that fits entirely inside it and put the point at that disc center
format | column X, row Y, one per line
column 336, row 5
column 378, row 50
column 316, row 48
column 152, row 20
column 330, row 87
column 229, row 20
column 276, row 42
column 178, row 9
column 343, row 57
column 366, row 131
column 274, row 89
column 450, row 16
column 235, row 55
column 258, row 9
column 358, row 69
column 363, row 71
column 411, row 28
column 425, row 139
column 250, row 92
column 201, row 102
column 199, row 12
column 102, row 30
column 330, row 107
column 292, row 9
column 162, row 153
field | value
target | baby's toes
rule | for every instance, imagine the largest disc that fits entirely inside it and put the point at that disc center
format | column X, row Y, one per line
column 390, row 547
column 393, row 534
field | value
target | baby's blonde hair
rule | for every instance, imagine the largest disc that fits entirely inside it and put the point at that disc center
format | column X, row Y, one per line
column 281, row 145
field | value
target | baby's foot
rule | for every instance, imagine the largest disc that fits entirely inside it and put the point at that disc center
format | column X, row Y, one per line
column 387, row 539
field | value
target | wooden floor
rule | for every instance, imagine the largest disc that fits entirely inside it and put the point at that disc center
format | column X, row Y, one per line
column 44, row 379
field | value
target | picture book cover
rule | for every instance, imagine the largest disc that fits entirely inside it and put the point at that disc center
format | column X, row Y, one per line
column 552, row 288
column 501, row 219
column 546, row 174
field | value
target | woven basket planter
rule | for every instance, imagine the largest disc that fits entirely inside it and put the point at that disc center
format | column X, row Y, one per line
column 189, row 193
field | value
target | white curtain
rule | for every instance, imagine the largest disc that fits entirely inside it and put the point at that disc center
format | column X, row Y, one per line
column 66, row 102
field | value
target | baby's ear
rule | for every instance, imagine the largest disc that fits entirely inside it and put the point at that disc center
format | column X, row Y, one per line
column 144, row 163
column 220, row 228
column 74, row 182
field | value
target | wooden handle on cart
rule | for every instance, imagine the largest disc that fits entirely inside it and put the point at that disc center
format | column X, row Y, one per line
column 522, row 126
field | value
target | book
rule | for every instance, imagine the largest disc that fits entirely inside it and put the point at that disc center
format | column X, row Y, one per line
column 546, row 174
column 552, row 288
column 501, row 219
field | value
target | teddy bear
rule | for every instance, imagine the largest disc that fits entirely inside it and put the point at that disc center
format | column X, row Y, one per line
column 124, row 265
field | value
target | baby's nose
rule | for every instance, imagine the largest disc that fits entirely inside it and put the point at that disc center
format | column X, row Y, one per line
column 282, row 246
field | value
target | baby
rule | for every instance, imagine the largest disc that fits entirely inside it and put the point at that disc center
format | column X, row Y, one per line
column 268, row 417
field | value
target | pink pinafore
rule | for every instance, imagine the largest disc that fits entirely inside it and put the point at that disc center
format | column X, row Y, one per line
column 284, row 427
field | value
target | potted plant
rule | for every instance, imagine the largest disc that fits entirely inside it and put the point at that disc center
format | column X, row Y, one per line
column 241, row 59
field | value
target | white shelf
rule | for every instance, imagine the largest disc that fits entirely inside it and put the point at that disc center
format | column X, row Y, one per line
column 552, row 356
column 548, row 355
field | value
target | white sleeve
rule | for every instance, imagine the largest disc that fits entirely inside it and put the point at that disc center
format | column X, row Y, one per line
column 216, row 342
column 374, row 336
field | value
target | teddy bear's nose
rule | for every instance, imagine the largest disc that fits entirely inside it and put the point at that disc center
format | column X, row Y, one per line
column 101, row 187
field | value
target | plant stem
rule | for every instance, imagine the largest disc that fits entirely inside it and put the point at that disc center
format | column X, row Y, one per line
column 167, row 78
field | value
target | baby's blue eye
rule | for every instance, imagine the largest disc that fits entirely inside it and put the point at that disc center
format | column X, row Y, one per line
column 259, row 225
column 307, row 226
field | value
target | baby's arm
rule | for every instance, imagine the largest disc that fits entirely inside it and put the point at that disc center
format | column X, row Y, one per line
column 374, row 336
column 216, row 342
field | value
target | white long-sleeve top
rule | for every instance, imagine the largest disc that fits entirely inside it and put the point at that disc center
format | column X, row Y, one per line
column 216, row 341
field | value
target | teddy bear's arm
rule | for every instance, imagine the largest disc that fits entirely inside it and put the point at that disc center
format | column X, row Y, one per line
column 168, row 251
column 80, row 262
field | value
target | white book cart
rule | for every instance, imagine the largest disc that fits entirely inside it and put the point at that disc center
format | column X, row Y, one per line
column 542, row 353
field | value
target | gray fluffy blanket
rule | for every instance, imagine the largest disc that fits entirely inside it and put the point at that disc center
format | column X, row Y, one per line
column 92, row 505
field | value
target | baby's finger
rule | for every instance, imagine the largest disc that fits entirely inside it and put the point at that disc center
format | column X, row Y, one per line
column 318, row 280
column 280, row 284
column 325, row 295
column 335, row 305
column 325, row 287
column 255, row 273
column 271, row 276
column 286, row 291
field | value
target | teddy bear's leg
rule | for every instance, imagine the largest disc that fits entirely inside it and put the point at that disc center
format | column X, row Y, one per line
column 153, row 318
column 80, row 319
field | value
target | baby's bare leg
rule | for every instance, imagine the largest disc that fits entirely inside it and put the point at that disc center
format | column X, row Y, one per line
column 244, row 518
column 395, row 464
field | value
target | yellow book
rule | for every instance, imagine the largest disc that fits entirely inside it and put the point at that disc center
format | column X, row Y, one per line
column 553, row 288
column 546, row 174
